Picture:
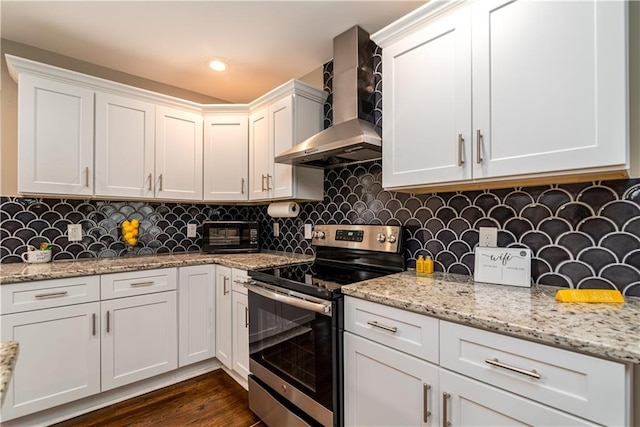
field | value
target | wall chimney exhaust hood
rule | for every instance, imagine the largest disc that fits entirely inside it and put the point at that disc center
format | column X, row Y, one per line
column 351, row 138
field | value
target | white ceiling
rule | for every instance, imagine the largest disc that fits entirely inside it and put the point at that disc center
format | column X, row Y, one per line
column 266, row 43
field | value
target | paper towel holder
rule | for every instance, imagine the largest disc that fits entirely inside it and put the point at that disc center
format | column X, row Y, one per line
column 283, row 210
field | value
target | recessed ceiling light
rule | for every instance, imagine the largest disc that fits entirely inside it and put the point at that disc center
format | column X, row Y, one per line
column 217, row 65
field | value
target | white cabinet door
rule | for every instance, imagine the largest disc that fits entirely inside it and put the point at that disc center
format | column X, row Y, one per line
column 240, row 327
column 555, row 100
column 196, row 314
column 178, row 154
column 55, row 137
column 259, row 152
column 124, row 146
column 281, row 114
column 226, row 158
column 223, row 316
column 384, row 387
column 139, row 338
column 427, row 104
column 58, row 359
column 471, row 403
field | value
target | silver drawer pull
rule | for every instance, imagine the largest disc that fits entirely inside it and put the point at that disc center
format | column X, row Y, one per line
column 52, row 295
column 381, row 326
column 532, row 373
column 445, row 407
column 425, row 402
column 140, row 284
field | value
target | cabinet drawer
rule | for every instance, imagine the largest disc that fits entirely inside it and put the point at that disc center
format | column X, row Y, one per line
column 403, row 330
column 37, row 295
column 593, row 388
column 137, row 282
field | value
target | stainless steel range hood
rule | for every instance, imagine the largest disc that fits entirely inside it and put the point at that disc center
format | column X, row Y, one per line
column 351, row 139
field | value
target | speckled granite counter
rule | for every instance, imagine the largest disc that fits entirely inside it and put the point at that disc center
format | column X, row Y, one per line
column 8, row 353
column 606, row 330
column 22, row 272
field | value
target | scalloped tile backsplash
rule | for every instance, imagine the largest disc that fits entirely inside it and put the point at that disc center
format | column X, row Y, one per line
column 581, row 235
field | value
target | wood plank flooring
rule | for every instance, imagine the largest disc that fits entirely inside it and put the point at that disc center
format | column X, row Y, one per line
column 213, row 399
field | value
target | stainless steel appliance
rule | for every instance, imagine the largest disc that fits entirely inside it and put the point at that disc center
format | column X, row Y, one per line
column 219, row 237
column 351, row 139
column 296, row 323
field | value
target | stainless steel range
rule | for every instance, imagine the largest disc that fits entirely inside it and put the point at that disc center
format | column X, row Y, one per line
column 296, row 323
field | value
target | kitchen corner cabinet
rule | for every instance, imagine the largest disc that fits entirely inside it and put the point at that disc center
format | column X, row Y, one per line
column 278, row 121
column 240, row 323
column 125, row 147
column 178, row 154
column 464, row 103
column 196, row 314
column 55, row 137
column 226, row 157
column 390, row 381
column 224, row 305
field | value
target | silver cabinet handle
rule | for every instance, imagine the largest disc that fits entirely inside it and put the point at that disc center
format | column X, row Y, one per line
column 93, row 322
column 532, row 373
column 224, row 285
column 241, row 185
column 460, row 149
column 140, row 284
column 160, row 177
column 108, row 321
column 445, row 415
column 425, row 402
column 381, row 326
column 246, row 317
column 269, row 179
column 86, row 177
column 242, row 282
column 52, row 295
column 263, row 177
column 150, row 182
column 479, row 146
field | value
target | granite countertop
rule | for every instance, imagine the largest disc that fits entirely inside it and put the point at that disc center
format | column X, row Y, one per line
column 8, row 353
column 23, row 272
column 606, row 330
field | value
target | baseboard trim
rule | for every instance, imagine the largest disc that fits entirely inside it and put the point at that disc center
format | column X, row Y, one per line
column 101, row 400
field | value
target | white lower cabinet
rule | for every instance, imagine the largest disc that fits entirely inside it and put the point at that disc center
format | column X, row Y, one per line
column 223, row 316
column 59, row 357
column 240, row 328
column 139, row 338
column 385, row 387
column 480, row 379
column 196, row 314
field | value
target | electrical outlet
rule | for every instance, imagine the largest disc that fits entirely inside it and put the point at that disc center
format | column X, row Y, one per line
column 308, row 228
column 488, row 237
column 192, row 230
column 74, row 232
column 276, row 229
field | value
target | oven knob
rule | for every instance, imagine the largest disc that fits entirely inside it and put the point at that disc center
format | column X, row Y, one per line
column 381, row 238
column 284, row 388
column 391, row 238
column 321, row 234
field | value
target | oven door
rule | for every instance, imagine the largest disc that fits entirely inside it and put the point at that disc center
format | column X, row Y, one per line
column 292, row 342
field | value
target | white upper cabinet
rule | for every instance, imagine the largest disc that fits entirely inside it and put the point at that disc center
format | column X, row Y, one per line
column 556, row 99
column 478, row 92
column 226, row 157
column 178, row 154
column 55, row 137
column 281, row 119
column 427, row 104
column 125, row 143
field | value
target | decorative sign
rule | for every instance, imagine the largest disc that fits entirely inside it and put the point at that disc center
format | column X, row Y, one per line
column 503, row 266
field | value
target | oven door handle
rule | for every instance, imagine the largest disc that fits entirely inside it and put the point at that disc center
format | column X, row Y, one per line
column 322, row 308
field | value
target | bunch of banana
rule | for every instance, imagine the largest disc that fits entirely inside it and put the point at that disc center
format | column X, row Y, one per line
column 130, row 231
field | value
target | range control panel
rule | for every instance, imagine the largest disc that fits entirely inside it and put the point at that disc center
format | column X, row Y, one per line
column 384, row 238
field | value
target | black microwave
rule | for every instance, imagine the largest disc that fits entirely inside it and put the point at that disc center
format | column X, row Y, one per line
column 223, row 237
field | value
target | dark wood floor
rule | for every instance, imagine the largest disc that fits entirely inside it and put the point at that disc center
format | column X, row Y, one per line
column 213, row 399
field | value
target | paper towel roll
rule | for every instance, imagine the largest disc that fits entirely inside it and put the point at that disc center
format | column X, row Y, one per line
column 283, row 210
